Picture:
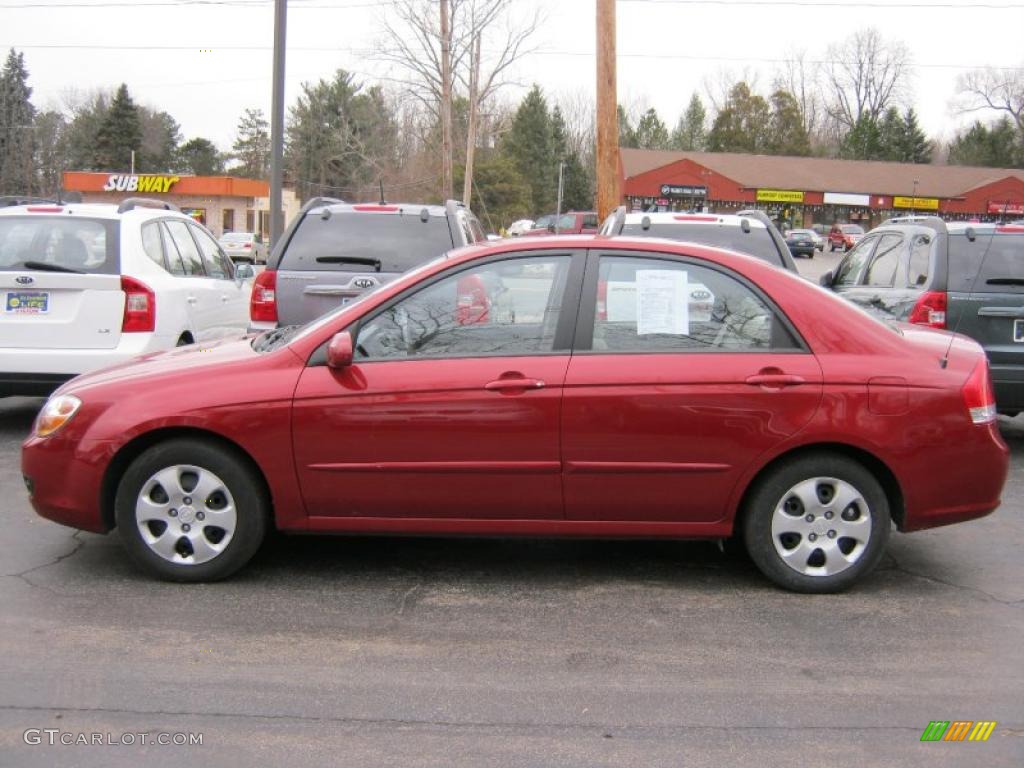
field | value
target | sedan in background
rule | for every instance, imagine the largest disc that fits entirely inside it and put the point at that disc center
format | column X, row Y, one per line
column 571, row 386
column 244, row 247
column 844, row 236
column 801, row 242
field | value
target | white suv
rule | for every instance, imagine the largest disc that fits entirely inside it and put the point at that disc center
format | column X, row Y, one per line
column 86, row 286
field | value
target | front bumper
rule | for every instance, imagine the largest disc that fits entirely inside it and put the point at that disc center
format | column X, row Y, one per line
column 65, row 478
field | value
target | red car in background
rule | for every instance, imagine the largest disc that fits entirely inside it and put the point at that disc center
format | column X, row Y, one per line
column 576, row 386
column 844, row 236
column 570, row 223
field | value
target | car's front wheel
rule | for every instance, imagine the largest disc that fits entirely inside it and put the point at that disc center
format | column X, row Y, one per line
column 190, row 510
column 817, row 523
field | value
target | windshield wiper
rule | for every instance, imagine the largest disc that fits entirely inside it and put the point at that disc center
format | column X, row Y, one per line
column 375, row 263
column 42, row 266
column 1005, row 281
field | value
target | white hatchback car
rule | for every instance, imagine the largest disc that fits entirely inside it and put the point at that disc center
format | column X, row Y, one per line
column 86, row 286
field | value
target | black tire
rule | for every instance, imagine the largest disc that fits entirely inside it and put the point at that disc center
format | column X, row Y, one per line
column 237, row 487
column 773, row 497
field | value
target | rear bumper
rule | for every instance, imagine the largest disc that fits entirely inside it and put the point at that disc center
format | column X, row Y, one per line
column 966, row 488
column 1008, row 382
column 40, row 371
column 31, row 384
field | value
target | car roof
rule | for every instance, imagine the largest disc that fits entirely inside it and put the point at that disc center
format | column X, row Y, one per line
column 90, row 210
column 718, row 219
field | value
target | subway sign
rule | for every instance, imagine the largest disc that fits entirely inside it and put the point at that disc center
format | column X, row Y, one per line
column 118, row 182
column 779, row 196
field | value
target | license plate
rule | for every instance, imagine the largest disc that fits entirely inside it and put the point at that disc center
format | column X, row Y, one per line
column 27, row 302
column 1018, row 331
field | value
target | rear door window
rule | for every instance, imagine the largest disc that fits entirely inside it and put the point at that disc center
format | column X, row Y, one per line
column 215, row 261
column 357, row 242
column 882, row 272
column 992, row 263
column 84, row 245
column 186, row 247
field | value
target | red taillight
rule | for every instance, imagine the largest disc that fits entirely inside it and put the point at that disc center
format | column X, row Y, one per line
column 979, row 396
column 139, row 306
column 263, row 302
column 247, row 245
column 930, row 310
column 377, row 208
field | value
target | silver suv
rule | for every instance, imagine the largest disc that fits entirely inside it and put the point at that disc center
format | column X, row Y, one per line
column 334, row 251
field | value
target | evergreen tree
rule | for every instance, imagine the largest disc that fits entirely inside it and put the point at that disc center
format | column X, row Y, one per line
column 500, row 193
column 119, row 134
column 252, row 146
column 199, row 157
column 651, row 132
column 891, row 136
column 786, row 132
column 915, row 146
column 992, row 146
column 529, row 144
column 82, row 130
column 17, row 141
column 51, row 151
column 690, row 134
column 742, row 125
column 863, row 142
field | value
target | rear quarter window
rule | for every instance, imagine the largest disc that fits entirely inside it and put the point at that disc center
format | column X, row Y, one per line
column 85, row 245
column 992, row 263
column 757, row 242
column 398, row 241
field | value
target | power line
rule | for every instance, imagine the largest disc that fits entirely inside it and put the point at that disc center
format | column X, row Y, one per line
column 549, row 52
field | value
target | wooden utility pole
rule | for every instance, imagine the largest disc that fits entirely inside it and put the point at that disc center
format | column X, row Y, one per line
column 446, row 101
column 608, row 196
column 474, row 87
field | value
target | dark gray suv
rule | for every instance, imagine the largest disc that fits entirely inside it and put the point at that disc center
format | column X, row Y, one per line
column 960, row 276
column 334, row 251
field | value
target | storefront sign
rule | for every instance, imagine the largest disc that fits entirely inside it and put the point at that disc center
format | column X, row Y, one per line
column 676, row 190
column 117, row 182
column 779, row 196
column 916, row 203
column 1007, row 207
column 842, row 198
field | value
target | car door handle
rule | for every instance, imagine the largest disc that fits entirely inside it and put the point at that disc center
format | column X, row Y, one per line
column 1001, row 312
column 192, row 300
column 225, row 298
column 514, row 383
column 774, row 380
column 326, row 290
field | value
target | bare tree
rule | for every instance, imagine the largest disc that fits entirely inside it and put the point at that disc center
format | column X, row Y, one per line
column 990, row 88
column 425, row 51
column 865, row 75
column 802, row 79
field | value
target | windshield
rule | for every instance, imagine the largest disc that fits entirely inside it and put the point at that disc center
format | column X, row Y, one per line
column 992, row 263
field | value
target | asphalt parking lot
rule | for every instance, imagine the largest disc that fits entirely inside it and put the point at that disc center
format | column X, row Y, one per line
column 423, row 652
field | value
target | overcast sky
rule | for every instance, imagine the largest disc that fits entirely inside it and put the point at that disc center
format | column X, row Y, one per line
column 205, row 61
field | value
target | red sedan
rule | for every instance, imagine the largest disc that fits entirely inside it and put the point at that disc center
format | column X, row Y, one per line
column 576, row 386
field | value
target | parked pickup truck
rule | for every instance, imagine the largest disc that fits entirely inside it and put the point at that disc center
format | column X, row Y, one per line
column 571, row 223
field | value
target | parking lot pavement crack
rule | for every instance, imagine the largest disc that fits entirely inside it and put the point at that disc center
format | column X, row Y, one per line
column 24, row 575
column 935, row 580
column 603, row 728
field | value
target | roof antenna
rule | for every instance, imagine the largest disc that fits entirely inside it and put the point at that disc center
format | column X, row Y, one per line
column 382, row 200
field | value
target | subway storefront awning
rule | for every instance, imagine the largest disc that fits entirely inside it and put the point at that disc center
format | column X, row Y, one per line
column 160, row 184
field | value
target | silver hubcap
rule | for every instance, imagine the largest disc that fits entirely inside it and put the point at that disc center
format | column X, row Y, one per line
column 186, row 514
column 821, row 526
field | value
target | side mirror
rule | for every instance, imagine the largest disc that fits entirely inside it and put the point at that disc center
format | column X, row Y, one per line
column 826, row 279
column 339, row 351
column 244, row 271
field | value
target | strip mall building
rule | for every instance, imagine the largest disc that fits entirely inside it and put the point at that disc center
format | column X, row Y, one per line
column 222, row 203
column 802, row 191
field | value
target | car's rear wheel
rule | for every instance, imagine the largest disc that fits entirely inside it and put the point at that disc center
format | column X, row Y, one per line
column 817, row 523
column 189, row 510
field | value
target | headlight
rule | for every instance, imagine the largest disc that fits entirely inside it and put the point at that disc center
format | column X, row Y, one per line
column 57, row 412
